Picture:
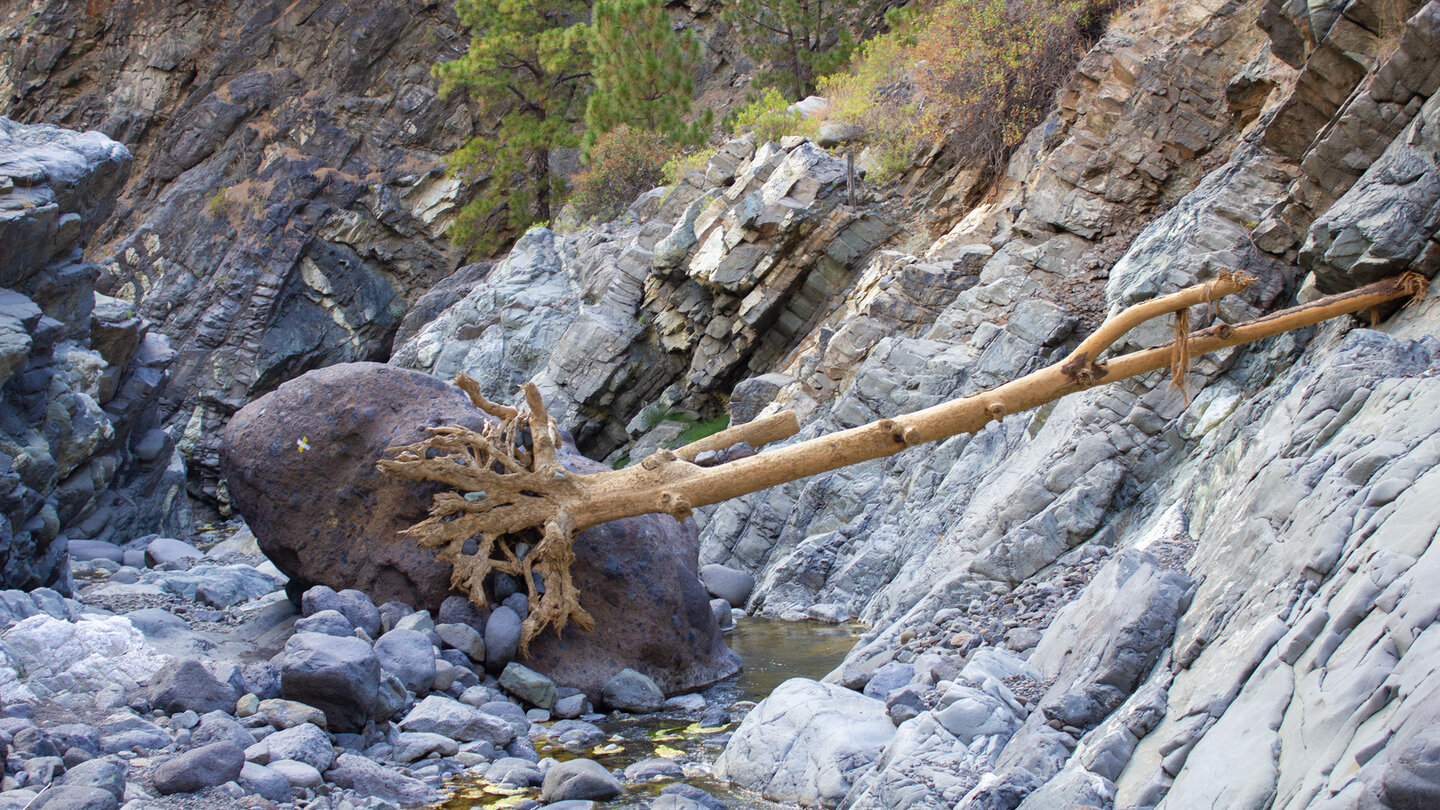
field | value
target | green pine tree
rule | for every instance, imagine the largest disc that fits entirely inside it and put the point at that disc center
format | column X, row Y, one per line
column 643, row 73
column 528, row 69
column 800, row 39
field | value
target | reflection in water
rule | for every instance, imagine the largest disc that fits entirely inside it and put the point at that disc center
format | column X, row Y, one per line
column 773, row 651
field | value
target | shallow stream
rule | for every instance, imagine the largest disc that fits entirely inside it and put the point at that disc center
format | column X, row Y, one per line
column 773, row 651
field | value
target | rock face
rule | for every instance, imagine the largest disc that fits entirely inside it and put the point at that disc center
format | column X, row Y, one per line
column 1135, row 598
column 290, row 198
column 712, row 281
column 80, row 455
column 349, row 537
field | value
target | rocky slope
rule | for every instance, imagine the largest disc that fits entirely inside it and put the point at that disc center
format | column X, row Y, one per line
column 289, row 197
column 1093, row 603
column 83, row 456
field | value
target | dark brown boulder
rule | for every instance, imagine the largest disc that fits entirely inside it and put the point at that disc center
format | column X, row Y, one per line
column 326, row 516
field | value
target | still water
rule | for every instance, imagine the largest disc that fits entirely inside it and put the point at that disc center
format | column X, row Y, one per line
column 773, row 651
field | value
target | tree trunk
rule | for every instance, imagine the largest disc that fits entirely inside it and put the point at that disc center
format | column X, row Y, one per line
column 534, row 492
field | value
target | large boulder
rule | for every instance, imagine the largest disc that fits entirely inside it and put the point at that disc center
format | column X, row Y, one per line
column 637, row 576
column 806, row 743
column 338, row 676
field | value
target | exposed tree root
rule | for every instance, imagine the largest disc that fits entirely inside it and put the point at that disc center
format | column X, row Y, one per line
column 515, row 510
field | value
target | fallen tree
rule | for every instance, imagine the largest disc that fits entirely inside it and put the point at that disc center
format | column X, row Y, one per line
column 515, row 510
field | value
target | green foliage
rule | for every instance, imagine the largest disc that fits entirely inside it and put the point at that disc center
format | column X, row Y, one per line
column 218, row 204
column 642, row 74
column 703, row 428
column 677, row 167
column 988, row 69
column 527, row 68
column 770, row 118
column 870, row 96
column 800, row 39
column 624, row 163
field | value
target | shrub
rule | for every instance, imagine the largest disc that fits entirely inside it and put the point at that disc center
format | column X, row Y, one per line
column 987, row 69
column 770, row 118
column 624, row 163
column 876, row 96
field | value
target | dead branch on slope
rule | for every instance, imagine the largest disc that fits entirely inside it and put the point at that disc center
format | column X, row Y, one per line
column 515, row 510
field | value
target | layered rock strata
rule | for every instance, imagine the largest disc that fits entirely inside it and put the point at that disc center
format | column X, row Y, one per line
column 81, row 453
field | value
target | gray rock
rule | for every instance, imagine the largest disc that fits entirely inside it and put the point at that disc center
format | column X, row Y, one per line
column 517, row 717
column 440, row 715
column 887, row 678
column 459, row 610
column 568, row 708
column 632, row 691
column 186, row 685
column 1411, row 779
column 373, row 779
column 690, row 793
column 353, row 604
column 648, row 770
column 328, row 622
column 220, row 727
column 727, row 583
column 409, row 656
column 528, row 685
column 68, row 797
column 502, row 639
column 303, row 743
column 806, row 742
column 339, row 676
column 298, row 774
column 514, row 771
column 265, row 783
column 95, row 550
column 164, row 550
column 413, row 745
column 464, row 638
column 105, row 774
column 579, row 779
column 199, row 768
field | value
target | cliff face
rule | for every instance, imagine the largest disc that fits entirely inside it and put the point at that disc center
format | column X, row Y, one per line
column 289, row 199
column 81, row 455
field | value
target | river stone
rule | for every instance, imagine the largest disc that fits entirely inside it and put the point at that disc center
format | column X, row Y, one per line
column 370, row 778
column 338, row 676
column 282, row 713
column 727, row 583
column 528, row 685
column 68, row 797
column 579, row 779
column 631, row 691
column 464, row 638
column 199, row 768
column 264, row 782
column 441, row 715
column 186, row 685
column 637, row 576
column 806, row 742
column 502, row 639
column 304, row 743
column 409, row 656
column 329, row 622
column 105, row 774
